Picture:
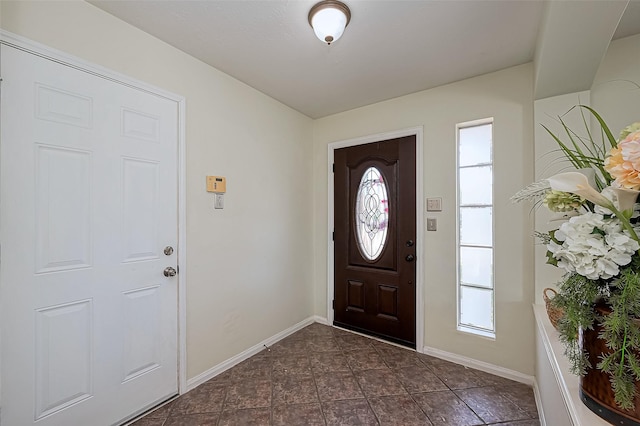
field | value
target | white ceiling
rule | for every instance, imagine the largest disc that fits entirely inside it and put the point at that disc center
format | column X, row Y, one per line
column 390, row 48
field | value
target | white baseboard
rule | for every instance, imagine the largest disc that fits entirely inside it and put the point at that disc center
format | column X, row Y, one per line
column 225, row 365
column 536, row 394
column 320, row 320
column 480, row 365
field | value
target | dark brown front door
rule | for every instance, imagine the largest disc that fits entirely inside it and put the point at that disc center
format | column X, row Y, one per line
column 375, row 234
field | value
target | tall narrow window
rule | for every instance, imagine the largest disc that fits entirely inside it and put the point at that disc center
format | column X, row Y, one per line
column 475, row 228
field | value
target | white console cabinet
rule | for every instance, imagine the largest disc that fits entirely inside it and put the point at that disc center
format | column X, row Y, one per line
column 558, row 388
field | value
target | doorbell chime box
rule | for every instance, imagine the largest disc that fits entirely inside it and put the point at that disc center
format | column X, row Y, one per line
column 217, row 184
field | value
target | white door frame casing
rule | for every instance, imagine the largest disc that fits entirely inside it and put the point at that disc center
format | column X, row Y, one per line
column 63, row 58
column 418, row 133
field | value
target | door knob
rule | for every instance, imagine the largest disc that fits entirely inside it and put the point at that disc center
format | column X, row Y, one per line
column 168, row 250
column 409, row 258
column 410, row 243
column 169, row 272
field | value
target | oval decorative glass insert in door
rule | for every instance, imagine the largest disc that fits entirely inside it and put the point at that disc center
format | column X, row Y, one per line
column 372, row 214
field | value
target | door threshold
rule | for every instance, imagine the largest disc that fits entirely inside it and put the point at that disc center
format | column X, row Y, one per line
column 384, row 339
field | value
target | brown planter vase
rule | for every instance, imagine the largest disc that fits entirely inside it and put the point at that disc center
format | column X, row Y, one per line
column 595, row 387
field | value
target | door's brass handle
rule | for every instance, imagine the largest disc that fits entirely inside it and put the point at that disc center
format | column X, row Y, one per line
column 169, row 272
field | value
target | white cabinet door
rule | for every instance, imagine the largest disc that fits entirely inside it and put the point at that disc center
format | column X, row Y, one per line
column 88, row 202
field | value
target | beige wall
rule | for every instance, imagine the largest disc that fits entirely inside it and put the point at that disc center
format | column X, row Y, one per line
column 249, row 274
column 506, row 96
column 549, row 161
column 615, row 93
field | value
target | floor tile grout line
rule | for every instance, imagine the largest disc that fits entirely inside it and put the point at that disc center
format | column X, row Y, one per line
column 224, row 400
column 406, row 390
column 368, row 401
column 345, row 347
column 366, row 397
column 456, row 395
column 441, row 380
column 503, row 421
column 521, row 408
column 470, row 408
column 448, row 387
column 315, row 383
column 271, row 421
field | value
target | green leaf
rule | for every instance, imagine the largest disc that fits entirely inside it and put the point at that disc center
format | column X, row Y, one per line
column 612, row 140
column 567, row 152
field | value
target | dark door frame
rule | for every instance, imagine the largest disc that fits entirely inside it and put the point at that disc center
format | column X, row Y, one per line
column 414, row 131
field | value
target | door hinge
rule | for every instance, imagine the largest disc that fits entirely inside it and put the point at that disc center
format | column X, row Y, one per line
column 178, row 269
column 333, row 236
column 333, row 167
column 333, row 304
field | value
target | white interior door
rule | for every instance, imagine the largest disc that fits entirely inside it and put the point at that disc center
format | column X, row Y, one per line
column 88, row 190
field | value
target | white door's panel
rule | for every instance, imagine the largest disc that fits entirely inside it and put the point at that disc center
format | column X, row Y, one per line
column 88, row 322
column 64, row 336
column 139, row 125
column 63, row 209
column 63, row 107
column 142, row 318
column 140, row 209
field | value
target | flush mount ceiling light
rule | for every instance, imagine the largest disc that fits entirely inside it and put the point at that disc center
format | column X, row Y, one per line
column 328, row 19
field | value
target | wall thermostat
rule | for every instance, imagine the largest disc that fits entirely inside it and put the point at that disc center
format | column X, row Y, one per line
column 217, row 184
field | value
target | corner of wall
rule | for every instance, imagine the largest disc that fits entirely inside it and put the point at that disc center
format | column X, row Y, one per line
column 546, row 112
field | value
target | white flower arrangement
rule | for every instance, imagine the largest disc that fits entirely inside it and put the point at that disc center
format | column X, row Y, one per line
column 592, row 246
column 598, row 247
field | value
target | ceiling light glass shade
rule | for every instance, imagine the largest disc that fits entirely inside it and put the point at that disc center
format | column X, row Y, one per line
column 328, row 19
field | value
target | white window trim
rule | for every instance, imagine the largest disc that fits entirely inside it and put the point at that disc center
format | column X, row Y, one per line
column 491, row 334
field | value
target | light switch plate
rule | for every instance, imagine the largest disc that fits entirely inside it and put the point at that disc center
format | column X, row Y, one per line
column 432, row 224
column 218, row 201
column 434, row 204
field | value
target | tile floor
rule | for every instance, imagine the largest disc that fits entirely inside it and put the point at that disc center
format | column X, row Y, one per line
column 321, row 375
